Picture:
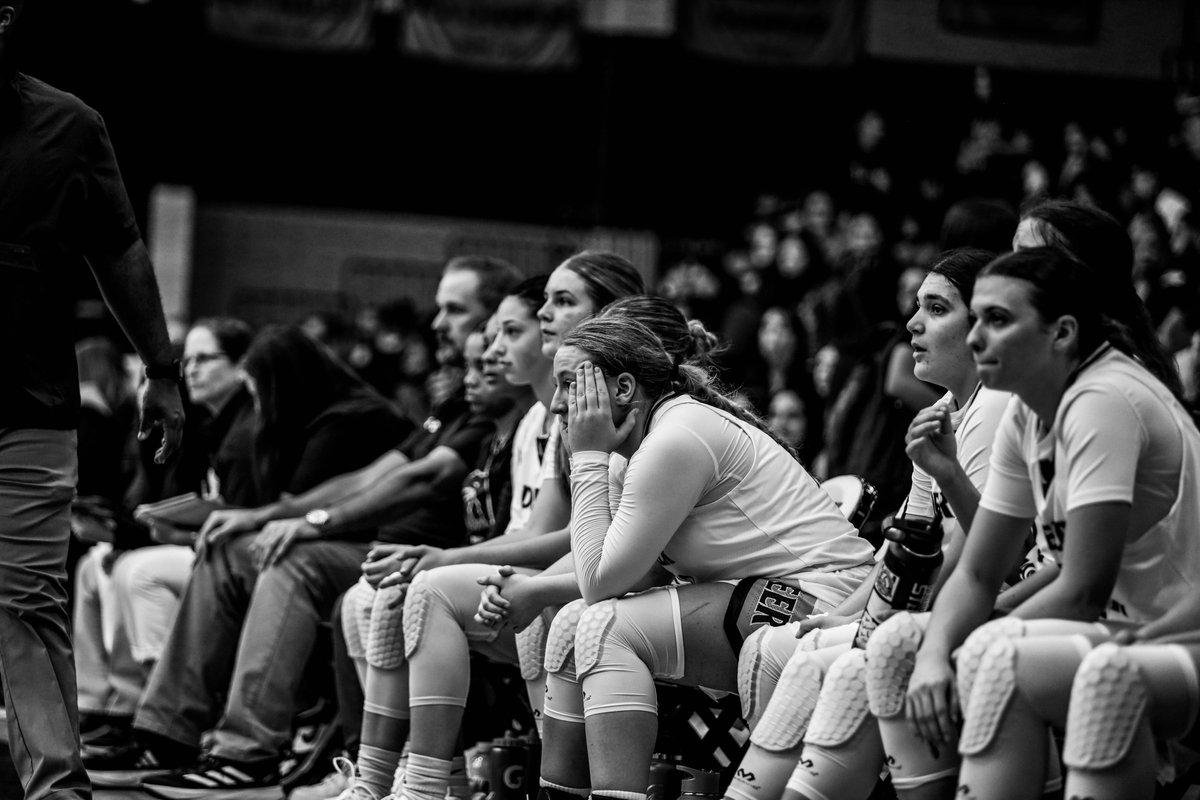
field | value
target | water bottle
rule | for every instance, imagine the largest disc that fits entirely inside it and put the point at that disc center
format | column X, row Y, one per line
column 533, row 763
column 699, row 784
column 906, row 577
column 507, row 766
column 665, row 778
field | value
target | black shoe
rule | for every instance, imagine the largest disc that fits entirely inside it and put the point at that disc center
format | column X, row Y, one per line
column 124, row 767
column 106, row 736
column 220, row 779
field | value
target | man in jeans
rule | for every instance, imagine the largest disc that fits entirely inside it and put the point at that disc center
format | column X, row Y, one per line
column 258, row 659
column 62, row 206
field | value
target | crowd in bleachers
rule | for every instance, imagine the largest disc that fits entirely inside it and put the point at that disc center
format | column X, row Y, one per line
column 521, row 476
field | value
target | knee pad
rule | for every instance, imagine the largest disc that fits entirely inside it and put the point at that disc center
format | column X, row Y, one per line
column 594, row 624
column 386, row 646
column 531, row 649
column 1108, row 699
column 890, row 655
column 416, row 608
column 997, row 680
column 969, row 656
column 786, row 717
column 356, row 618
column 560, row 640
column 760, row 663
column 842, row 708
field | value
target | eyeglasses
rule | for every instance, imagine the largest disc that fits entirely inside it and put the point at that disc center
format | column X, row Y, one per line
column 200, row 359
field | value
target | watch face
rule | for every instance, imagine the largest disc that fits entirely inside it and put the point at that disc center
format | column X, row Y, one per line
column 317, row 517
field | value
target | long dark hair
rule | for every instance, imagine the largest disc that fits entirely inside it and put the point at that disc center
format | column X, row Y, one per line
column 621, row 344
column 1095, row 238
column 296, row 380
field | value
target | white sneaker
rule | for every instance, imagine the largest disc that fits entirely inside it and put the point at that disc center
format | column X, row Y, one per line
column 332, row 787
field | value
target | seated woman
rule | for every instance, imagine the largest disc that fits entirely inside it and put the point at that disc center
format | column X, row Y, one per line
column 147, row 582
column 248, row 618
column 949, row 444
column 737, row 505
column 1131, row 456
column 531, row 321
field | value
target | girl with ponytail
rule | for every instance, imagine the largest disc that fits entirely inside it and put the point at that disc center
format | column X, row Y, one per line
column 710, row 502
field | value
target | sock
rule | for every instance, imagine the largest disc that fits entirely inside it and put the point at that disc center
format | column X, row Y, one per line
column 398, row 776
column 426, row 777
column 457, row 783
column 375, row 765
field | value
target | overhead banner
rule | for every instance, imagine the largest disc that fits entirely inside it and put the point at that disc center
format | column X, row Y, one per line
column 497, row 34
column 342, row 25
column 1064, row 21
column 773, row 32
column 1069, row 22
column 629, row 17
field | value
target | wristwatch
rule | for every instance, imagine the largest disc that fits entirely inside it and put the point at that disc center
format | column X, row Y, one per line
column 318, row 517
column 170, row 372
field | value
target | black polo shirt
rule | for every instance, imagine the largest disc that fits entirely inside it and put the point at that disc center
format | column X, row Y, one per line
column 61, row 201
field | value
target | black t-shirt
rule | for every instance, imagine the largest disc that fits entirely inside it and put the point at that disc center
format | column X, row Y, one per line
column 62, row 201
column 440, row 520
column 229, row 438
column 487, row 490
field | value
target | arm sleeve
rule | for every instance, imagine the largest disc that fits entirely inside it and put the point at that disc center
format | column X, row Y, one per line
column 920, row 496
column 613, row 551
column 1102, row 439
column 1008, row 490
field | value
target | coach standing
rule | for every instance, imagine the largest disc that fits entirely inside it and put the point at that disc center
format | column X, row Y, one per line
column 62, row 203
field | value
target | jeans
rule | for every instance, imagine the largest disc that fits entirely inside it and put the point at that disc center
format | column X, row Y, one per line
column 245, row 636
column 37, row 482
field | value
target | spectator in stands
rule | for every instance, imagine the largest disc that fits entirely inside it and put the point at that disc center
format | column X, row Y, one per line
column 788, row 417
column 107, row 427
column 122, row 622
column 623, row 393
column 981, row 222
column 248, row 617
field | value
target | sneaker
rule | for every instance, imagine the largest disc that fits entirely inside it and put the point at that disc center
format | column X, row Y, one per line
column 124, row 766
column 218, row 778
column 332, row 786
column 106, row 736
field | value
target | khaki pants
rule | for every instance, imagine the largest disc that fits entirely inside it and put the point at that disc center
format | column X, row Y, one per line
column 37, row 482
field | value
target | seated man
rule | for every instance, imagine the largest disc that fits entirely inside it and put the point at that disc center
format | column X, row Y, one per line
column 316, row 542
